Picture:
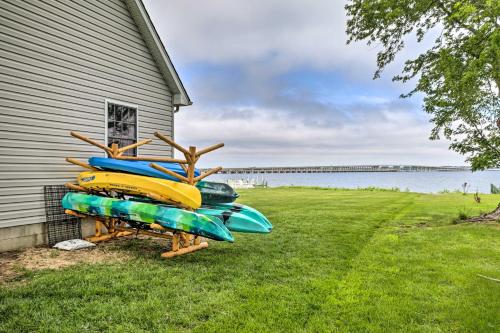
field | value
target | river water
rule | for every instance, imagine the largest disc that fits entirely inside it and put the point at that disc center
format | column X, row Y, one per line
column 426, row 182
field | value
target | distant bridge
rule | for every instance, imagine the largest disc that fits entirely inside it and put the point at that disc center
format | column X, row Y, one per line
column 343, row 168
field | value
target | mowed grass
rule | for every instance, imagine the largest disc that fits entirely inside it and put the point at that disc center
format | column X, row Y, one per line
column 337, row 260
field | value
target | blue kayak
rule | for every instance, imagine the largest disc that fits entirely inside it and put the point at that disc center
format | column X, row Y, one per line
column 138, row 167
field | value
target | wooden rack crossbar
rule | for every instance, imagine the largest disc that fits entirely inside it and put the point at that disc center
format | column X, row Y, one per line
column 134, row 145
column 209, row 149
column 79, row 163
column 151, row 159
column 114, row 151
column 92, row 142
column 169, row 172
column 208, row 173
column 191, row 155
column 76, row 187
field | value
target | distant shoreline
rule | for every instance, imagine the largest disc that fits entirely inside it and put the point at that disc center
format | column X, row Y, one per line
column 345, row 168
column 424, row 182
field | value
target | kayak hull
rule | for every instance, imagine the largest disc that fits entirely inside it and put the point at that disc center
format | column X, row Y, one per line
column 158, row 189
column 213, row 193
column 168, row 217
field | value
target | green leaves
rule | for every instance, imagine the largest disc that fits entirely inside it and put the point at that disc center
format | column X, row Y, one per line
column 459, row 74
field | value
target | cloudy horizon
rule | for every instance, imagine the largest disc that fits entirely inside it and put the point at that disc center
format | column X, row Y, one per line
column 276, row 82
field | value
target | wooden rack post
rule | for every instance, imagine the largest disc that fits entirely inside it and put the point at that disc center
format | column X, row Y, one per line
column 191, row 156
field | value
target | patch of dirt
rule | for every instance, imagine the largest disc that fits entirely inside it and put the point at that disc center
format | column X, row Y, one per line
column 13, row 264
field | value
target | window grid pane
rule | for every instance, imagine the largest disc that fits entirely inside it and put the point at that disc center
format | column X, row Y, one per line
column 122, row 130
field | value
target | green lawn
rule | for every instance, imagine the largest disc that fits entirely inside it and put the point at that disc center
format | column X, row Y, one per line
column 337, row 260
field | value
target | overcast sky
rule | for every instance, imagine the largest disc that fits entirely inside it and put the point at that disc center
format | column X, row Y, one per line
column 275, row 81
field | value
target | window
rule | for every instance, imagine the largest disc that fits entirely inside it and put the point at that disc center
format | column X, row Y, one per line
column 122, row 125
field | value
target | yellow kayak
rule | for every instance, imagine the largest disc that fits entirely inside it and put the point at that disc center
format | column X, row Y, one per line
column 154, row 188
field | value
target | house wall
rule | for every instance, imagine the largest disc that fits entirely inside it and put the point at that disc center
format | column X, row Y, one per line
column 59, row 61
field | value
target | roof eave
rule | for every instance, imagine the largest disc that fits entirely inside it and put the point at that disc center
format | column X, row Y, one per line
column 158, row 51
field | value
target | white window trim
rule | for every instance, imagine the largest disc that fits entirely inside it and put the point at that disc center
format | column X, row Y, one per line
column 114, row 101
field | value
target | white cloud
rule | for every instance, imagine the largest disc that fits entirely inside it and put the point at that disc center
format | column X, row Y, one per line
column 271, row 137
column 266, row 38
column 274, row 35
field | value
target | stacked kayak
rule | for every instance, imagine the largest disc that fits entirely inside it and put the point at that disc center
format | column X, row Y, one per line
column 138, row 167
column 160, row 196
column 137, row 192
column 213, row 193
column 245, row 210
column 155, row 188
column 168, row 217
column 237, row 219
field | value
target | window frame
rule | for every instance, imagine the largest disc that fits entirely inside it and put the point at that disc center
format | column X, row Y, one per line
column 106, row 117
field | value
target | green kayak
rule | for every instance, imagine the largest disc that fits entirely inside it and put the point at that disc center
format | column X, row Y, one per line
column 213, row 193
column 168, row 217
column 236, row 217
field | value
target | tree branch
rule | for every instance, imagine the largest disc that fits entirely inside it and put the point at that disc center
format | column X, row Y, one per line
column 450, row 15
column 485, row 141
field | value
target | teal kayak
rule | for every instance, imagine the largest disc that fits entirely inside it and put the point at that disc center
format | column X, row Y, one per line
column 242, row 209
column 168, row 217
column 213, row 193
column 235, row 221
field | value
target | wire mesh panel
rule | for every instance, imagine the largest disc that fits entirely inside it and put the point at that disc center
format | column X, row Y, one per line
column 60, row 226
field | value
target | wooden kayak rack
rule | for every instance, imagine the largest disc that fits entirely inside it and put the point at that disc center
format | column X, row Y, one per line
column 182, row 242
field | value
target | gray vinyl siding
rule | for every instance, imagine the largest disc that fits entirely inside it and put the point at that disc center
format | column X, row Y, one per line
column 59, row 61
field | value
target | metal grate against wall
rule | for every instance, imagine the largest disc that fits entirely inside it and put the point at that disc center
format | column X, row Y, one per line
column 60, row 226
